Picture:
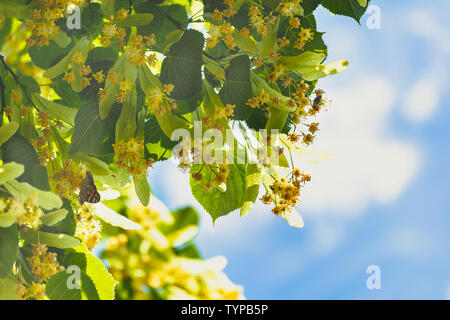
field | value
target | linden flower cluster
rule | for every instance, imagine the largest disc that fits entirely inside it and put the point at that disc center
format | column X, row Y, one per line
column 112, row 31
column 26, row 213
column 42, row 23
column 159, row 101
column 285, row 193
column 66, row 181
column 220, row 117
column 41, row 144
column 301, row 113
column 277, row 73
column 85, row 71
column 43, row 264
column 88, row 227
column 151, row 267
column 125, row 87
column 224, row 30
column 35, row 291
column 129, row 155
column 261, row 100
column 138, row 47
column 218, row 174
column 15, row 108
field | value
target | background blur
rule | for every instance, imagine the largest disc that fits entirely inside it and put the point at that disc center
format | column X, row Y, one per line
column 382, row 198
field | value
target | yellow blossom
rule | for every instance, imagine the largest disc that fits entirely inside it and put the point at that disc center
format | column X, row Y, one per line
column 99, row 76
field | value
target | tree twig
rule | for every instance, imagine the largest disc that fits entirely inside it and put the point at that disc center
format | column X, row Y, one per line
column 177, row 23
column 3, row 98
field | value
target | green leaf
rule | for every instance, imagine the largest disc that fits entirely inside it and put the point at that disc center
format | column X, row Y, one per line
column 161, row 26
column 5, row 30
column 65, row 92
column 68, row 224
column 61, row 241
column 19, row 150
column 62, row 145
column 188, row 105
column 94, row 268
column 7, row 131
column 351, row 8
column 91, row 22
column 182, row 65
column 52, row 72
column 14, row 10
column 9, row 171
column 309, row 6
column 158, row 146
column 9, row 243
column 126, row 124
column 277, row 119
column 62, row 39
column 147, row 79
column 259, row 84
column 247, row 44
column 293, row 218
column 362, row 3
column 189, row 251
column 170, row 122
column 308, row 65
column 142, row 188
column 267, row 45
column 252, row 184
column 22, row 190
column 219, row 203
column 95, row 165
column 115, row 219
column 316, row 44
column 92, row 135
column 46, row 56
column 237, row 88
column 185, row 227
column 57, row 289
column 171, row 38
column 55, row 110
column 8, row 289
column 54, row 217
column 30, row 84
column 138, row 19
column 214, row 68
column 7, row 220
column 126, row 71
column 211, row 100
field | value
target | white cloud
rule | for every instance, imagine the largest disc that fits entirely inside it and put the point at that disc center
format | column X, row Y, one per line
column 428, row 25
column 367, row 164
column 423, row 98
column 409, row 242
column 326, row 236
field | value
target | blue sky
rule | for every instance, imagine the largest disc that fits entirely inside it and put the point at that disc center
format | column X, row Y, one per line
column 381, row 197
